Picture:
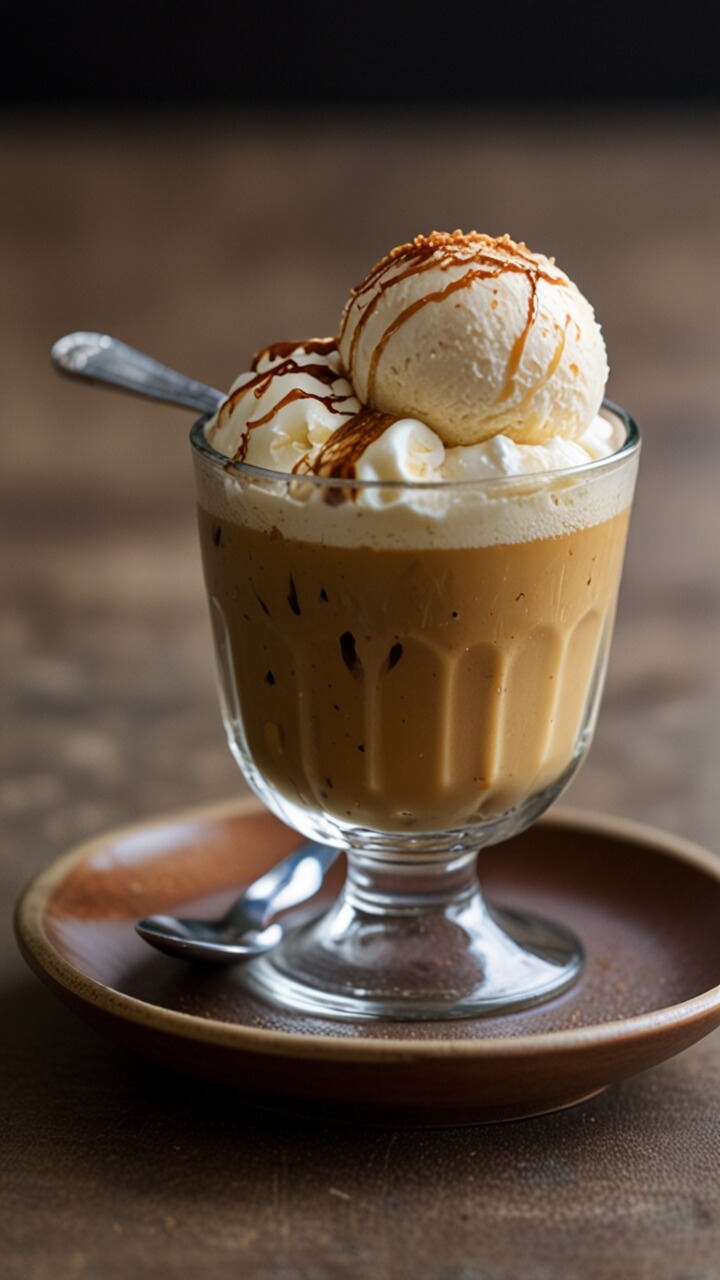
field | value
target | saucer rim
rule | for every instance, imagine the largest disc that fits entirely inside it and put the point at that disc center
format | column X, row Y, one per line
column 47, row 961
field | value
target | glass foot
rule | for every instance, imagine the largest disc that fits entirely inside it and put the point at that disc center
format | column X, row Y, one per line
column 412, row 940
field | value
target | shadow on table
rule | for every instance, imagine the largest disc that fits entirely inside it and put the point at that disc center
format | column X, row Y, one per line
column 71, row 1077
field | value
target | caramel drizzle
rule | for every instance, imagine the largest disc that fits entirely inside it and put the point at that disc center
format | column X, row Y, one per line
column 329, row 402
column 552, row 367
column 516, row 351
column 339, row 455
column 313, row 346
column 262, row 380
column 445, row 251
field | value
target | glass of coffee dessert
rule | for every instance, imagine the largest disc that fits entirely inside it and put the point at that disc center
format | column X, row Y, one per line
column 412, row 540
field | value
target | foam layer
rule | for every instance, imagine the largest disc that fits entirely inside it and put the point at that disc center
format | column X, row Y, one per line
column 472, row 513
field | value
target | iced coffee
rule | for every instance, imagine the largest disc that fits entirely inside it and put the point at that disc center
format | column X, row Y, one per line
column 412, row 537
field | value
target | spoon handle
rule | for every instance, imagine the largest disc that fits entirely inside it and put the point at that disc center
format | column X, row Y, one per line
column 97, row 357
column 293, row 880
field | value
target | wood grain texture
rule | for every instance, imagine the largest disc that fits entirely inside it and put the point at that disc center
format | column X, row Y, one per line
column 200, row 240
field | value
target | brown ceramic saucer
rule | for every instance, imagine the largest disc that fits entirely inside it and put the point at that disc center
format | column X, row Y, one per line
column 646, row 906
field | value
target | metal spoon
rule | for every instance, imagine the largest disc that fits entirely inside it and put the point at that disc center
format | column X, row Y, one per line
column 96, row 357
column 245, row 929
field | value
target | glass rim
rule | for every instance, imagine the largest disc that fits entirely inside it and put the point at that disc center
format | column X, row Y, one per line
column 229, row 466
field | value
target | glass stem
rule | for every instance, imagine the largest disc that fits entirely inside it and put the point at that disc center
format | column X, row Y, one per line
column 411, row 937
column 387, row 886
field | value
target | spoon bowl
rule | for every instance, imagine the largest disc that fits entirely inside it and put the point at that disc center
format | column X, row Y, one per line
column 247, row 929
column 207, row 940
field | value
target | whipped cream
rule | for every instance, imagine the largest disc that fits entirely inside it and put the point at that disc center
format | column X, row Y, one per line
column 460, row 358
column 289, row 411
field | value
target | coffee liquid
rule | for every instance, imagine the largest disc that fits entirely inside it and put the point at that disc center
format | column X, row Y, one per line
column 412, row 690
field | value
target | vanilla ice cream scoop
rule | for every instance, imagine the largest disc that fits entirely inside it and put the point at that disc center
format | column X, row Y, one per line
column 475, row 336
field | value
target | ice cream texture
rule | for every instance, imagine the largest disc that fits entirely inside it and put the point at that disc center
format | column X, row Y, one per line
column 460, row 356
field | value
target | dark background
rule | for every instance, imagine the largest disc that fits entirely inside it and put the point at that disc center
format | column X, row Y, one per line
column 459, row 53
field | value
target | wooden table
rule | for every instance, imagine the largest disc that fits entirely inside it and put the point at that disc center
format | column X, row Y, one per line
column 200, row 240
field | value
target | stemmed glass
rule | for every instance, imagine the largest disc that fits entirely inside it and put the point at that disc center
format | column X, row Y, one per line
column 412, row 673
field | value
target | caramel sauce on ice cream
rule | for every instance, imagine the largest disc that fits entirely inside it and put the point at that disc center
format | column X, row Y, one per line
column 475, row 335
